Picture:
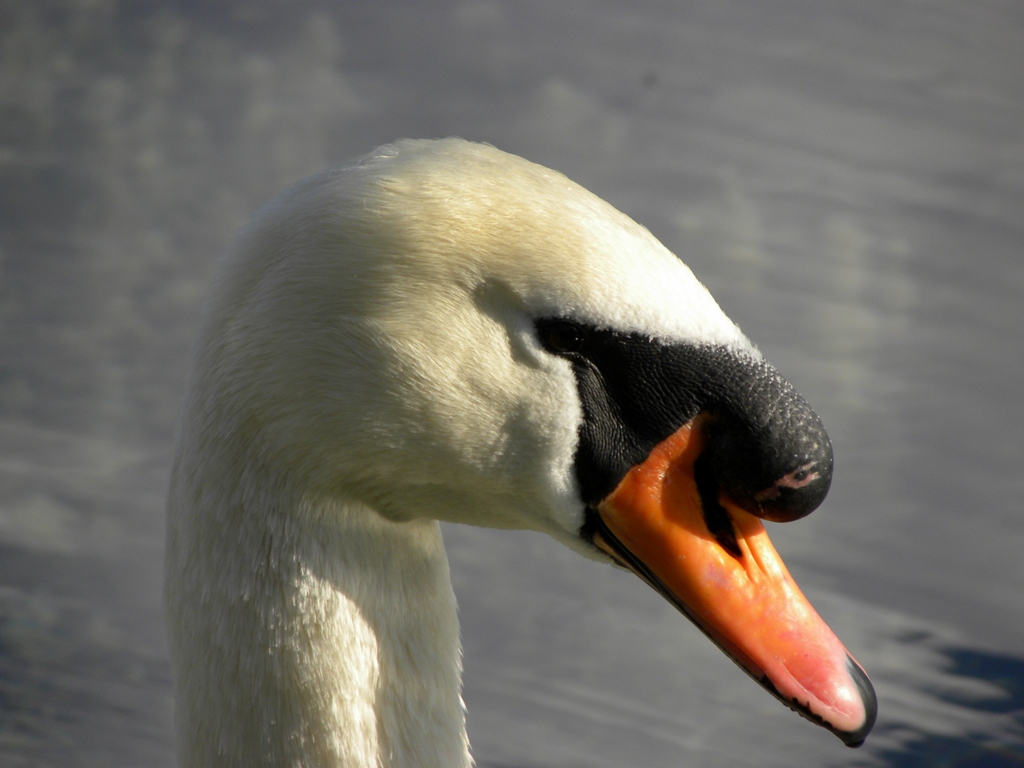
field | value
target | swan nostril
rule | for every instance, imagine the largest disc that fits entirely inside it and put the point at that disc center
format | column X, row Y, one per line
column 799, row 477
column 793, row 481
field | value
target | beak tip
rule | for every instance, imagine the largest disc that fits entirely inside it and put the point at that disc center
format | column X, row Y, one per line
column 868, row 698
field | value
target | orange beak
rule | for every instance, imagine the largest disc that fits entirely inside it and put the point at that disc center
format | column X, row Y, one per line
column 721, row 570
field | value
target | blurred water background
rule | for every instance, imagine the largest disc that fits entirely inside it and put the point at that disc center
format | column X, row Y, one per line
column 847, row 178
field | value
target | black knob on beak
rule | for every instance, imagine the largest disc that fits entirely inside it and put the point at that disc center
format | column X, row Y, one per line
column 767, row 448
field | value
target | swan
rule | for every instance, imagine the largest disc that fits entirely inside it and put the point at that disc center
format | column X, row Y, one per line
column 441, row 331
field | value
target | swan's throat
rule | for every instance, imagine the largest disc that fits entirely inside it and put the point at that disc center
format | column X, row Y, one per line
column 315, row 634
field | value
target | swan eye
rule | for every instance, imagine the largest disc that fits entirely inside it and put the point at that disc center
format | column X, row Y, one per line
column 561, row 336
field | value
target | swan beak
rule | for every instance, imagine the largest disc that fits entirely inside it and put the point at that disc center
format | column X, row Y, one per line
column 720, row 569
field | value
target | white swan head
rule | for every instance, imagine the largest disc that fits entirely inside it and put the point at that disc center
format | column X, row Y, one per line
column 444, row 331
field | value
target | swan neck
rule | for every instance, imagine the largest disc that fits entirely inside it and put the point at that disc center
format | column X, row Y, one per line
column 308, row 631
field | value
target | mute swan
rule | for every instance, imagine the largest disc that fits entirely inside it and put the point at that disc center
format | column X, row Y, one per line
column 442, row 331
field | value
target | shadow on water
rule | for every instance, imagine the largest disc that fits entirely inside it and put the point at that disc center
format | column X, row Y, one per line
column 1004, row 749
column 945, row 752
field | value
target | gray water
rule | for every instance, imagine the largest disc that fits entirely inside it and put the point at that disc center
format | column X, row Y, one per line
column 847, row 178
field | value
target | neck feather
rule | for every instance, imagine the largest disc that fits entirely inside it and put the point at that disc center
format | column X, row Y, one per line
column 309, row 633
